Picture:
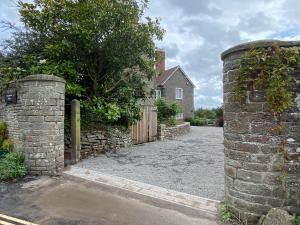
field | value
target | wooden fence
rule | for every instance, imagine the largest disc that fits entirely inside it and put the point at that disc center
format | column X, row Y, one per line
column 145, row 130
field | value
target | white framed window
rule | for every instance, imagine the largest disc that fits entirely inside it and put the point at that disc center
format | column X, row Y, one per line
column 179, row 116
column 157, row 94
column 179, row 93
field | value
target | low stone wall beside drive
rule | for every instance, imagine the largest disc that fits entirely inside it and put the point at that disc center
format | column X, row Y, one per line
column 97, row 141
column 165, row 132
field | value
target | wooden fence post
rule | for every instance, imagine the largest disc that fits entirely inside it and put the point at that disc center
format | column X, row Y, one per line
column 75, row 131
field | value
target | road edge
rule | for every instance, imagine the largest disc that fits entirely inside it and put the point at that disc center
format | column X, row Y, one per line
column 184, row 203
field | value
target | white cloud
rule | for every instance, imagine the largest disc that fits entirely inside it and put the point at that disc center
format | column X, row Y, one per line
column 201, row 30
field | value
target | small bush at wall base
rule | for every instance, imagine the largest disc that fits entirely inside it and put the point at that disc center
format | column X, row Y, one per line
column 3, row 152
column 297, row 220
column 171, row 121
column 12, row 165
column 3, row 132
column 8, row 145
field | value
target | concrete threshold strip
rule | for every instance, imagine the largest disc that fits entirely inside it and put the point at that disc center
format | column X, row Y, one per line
column 184, row 203
column 8, row 220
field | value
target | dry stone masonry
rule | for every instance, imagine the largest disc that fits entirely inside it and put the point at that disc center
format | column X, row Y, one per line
column 253, row 168
column 165, row 132
column 95, row 141
column 36, row 122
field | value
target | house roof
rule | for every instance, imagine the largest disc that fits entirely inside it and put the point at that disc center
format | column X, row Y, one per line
column 162, row 79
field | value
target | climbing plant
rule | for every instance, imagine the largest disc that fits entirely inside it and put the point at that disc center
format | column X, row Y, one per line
column 269, row 69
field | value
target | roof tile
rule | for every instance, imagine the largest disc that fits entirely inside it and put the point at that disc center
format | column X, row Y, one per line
column 160, row 79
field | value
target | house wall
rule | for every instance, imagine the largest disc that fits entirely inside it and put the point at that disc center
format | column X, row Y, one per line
column 178, row 80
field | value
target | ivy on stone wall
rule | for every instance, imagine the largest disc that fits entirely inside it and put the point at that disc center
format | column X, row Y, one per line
column 269, row 69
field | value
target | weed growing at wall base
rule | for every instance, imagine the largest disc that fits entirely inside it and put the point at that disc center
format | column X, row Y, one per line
column 297, row 220
column 12, row 166
column 226, row 215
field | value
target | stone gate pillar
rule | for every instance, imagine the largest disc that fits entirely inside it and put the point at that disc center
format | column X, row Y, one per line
column 36, row 122
column 253, row 171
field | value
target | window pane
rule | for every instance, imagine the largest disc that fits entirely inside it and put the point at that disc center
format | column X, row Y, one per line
column 178, row 93
column 157, row 94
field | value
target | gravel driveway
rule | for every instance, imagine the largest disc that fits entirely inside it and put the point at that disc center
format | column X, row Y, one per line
column 193, row 163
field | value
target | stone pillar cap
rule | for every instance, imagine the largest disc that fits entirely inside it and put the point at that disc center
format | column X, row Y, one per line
column 43, row 77
column 258, row 44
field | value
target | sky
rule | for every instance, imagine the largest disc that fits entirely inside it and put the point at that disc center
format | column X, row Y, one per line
column 198, row 31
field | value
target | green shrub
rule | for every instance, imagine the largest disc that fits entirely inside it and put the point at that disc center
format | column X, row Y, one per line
column 189, row 119
column 297, row 220
column 209, row 113
column 12, row 165
column 8, row 145
column 197, row 121
column 219, row 112
column 166, row 112
column 2, row 153
column 171, row 121
column 3, row 129
column 205, row 113
column 3, row 132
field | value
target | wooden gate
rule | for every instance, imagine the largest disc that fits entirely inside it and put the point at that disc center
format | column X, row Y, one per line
column 145, row 130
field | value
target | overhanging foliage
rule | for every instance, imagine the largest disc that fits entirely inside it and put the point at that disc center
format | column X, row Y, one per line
column 104, row 49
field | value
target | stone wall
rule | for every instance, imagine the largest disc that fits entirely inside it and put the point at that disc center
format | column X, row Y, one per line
column 165, row 132
column 36, row 122
column 253, row 167
column 95, row 141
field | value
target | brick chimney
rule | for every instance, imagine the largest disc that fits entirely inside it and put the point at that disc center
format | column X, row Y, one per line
column 160, row 62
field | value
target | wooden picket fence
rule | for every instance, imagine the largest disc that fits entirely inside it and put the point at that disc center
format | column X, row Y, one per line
column 145, row 130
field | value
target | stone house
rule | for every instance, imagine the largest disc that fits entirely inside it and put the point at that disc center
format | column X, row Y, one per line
column 174, row 85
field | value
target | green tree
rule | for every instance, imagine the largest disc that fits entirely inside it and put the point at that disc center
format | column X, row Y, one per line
column 205, row 113
column 104, row 49
column 219, row 112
